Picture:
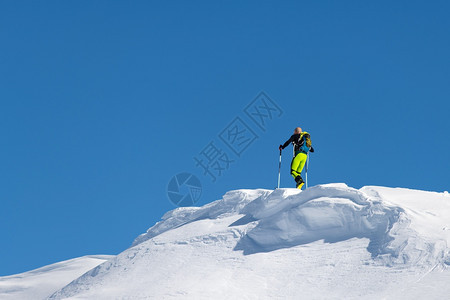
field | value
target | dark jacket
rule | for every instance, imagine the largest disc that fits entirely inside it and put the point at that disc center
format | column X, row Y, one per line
column 295, row 140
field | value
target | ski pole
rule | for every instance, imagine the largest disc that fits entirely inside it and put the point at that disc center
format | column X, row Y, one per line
column 306, row 171
column 279, row 171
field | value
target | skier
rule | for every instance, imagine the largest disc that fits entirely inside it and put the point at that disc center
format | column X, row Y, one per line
column 301, row 140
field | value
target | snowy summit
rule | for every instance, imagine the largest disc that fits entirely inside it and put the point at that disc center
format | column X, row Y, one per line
column 328, row 241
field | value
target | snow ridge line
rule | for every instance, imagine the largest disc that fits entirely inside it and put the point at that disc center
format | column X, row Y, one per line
column 231, row 203
column 333, row 212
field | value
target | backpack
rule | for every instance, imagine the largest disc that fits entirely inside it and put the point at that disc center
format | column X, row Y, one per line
column 304, row 142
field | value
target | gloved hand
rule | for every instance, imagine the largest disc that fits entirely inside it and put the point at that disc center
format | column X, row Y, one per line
column 280, row 147
column 311, row 150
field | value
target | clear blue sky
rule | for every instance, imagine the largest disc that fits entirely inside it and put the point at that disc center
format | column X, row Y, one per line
column 102, row 102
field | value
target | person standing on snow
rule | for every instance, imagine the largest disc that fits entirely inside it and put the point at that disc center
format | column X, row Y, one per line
column 301, row 140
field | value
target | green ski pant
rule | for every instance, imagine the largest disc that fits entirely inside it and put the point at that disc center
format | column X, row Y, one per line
column 297, row 164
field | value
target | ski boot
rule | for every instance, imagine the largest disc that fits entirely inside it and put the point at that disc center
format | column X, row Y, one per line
column 299, row 181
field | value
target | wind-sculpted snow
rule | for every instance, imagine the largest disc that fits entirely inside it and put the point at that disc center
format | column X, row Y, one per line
column 231, row 203
column 328, row 241
column 329, row 213
column 335, row 213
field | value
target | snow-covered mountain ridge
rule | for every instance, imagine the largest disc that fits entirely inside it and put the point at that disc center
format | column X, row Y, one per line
column 42, row 282
column 328, row 241
column 333, row 212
